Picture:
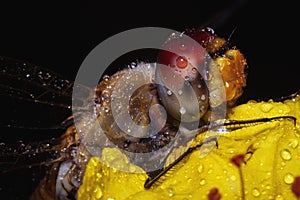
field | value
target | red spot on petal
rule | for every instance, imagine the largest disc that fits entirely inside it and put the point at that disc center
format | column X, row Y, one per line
column 214, row 194
column 238, row 160
column 296, row 187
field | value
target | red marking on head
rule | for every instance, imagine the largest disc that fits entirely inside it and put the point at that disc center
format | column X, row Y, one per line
column 296, row 187
column 214, row 194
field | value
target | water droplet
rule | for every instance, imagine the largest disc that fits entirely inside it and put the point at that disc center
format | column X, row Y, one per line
column 98, row 193
column 279, row 197
column 266, row 107
column 293, row 143
column 202, row 181
column 285, row 154
column 255, row 192
column 182, row 46
column 98, row 175
column 268, row 187
column 105, row 77
column 169, row 92
column 171, row 193
column 227, row 84
column 180, row 92
column 181, row 62
column 283, row 164
column 202, row 108
column 133, row 65
column 182, row 110
column 194, row 70
column 289, row 178
column 200, row 168
column 202, row 97
column 233, row 178
column 142, row 177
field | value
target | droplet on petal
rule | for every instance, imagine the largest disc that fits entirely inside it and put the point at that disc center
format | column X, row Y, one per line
column 288, row 178
column 200, row 168
column 255, row 192
column 285, row 154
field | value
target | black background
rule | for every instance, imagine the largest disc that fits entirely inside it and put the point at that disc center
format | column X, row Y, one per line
column 59, row 36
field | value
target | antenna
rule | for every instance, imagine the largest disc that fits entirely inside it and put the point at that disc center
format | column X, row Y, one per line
column 220, row 18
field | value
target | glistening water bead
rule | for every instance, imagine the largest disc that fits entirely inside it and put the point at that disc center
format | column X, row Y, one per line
column 181, row 62
column 285, row 154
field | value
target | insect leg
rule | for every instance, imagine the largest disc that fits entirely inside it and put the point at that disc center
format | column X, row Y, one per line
column 288, row 97
column 155, row 175
column 237, row 124
column 231, row 125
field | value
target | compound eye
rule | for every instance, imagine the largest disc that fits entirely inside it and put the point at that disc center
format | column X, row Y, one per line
column 179, row 74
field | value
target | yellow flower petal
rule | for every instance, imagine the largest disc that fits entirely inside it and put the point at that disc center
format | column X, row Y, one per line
column 271, row 153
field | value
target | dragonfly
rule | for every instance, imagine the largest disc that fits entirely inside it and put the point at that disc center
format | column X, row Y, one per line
column 58, row 162
column 26, row 82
